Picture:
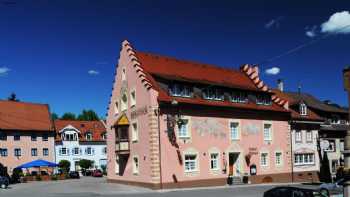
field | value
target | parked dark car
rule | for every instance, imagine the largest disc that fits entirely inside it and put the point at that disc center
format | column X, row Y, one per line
column 86, row 172
column 74, row 175
column 97, row 173
column 4, row 182
column 293, row 192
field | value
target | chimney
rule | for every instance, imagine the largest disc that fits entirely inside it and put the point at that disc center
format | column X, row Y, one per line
column 280, row 85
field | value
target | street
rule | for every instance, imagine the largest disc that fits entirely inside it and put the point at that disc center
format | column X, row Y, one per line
column 89, row 186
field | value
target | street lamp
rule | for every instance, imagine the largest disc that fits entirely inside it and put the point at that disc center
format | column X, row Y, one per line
column 346, row 79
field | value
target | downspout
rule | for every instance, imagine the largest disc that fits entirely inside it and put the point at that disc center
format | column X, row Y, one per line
column 160, row 151
column 291, row 149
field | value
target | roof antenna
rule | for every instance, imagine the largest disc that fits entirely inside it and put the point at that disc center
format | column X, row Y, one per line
column 299, row 89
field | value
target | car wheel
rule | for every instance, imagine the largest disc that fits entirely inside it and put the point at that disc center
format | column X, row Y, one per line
column 3, row 186
column 324, row 192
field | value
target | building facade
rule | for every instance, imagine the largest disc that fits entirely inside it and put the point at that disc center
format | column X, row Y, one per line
column 26, row 133
column 174, row 123
column 77, row 140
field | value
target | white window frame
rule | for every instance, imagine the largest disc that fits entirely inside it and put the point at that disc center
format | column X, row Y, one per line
column 66, row 150
column 17, row 150
column 104, row 150
column 123, row 73
column 87, row 151
column 298, row 136
column 74, row 153
column 124, row 104
column 266, row 163
column 46, row 154
column 239, row 97
column 89, row 133
column 213, row 94
column 303, row 109
column 304, row 159
column 133, row 98
column 309, row 136
column 281, row 158
column 35, row 151
column 193, row 163
column 116, row 108
column 214, row 160
column 134, row 132
column 269, row 137
column 180, row 133
column 237, row 137
column 135, row 165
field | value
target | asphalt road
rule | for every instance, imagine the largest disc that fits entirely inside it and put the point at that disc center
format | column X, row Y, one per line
column 98, row 187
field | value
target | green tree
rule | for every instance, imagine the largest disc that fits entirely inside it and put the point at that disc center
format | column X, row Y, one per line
column 68, row 116
column 54, row 116
column 86, row 164
column 64, row 165
column 88, row 115
column 13, row 97
column 325, row 174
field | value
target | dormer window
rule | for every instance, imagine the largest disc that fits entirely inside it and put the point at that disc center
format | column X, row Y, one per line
column 88, row 136
column 69, row 137
column 180, row 90
column 263, row 99
column 239, row 97
column 213, row 94
column 303, row 109
column 104, row 136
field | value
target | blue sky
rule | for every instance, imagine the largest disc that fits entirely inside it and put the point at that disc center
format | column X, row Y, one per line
column 47, row 48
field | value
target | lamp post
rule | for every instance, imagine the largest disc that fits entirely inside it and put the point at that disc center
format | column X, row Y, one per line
column 346, row 78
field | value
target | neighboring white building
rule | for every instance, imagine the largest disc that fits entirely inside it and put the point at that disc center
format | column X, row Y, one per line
column 76, row 140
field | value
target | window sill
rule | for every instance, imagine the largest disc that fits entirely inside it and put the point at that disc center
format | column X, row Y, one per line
column 135, row 141
column 238, row 139
column 184, row 137
column 135, row 173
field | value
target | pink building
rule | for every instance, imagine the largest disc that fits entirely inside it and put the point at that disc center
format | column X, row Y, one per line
column 26, row 133
column 174, row 123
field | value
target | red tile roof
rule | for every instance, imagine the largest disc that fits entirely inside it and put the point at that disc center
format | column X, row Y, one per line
column 311, row 116
column 97, row 128
column 25, row 116
column 171, row 68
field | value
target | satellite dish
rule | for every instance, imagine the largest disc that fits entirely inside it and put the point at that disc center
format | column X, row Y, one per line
column 324, row 144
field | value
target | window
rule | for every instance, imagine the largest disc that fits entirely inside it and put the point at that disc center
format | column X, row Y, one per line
column 76, row 151
column 341, row 145
column 17, row 152
column 34, row 152
column 308, row 136
column 63, row 151
column 3, row 136
column 88, row 136
column 213, row 94
column 214, row 161
column 133, row 98
column 278, row 158
column 262, row 99
column 89, row 151
column 234, row 128
column 104, row 150
column 116, row 108
column 190, row 162
column 334, row 165
column 70, row 137
column 303, row 109
column 33, row 137
column 298, row 137
column 45, row 137
column 183, row 129
column 239, row 97
column 264, row 159
column 135, row 133
column 123, row 74
column 267, row 132
column 135, row 168
column 45, row 152
column 3, row 152
column 124, row 102
column 304, row 158
column 104, row 136
column 180, row 90
column 331, row 147
column 16, row 137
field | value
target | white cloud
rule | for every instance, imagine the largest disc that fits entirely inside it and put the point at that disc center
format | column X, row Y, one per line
column 273, row 23
column 273, row 71
column 311, row 32
column 338, row 23
column 93, row 72
column 4, row 71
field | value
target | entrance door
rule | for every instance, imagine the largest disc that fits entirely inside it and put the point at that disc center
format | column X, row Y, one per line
column 233, row 164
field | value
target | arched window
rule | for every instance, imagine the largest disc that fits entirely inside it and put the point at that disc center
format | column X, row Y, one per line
column 303, row 109
column 123, row 74
column 88, row 136
column 124, row 102
column 104, row 136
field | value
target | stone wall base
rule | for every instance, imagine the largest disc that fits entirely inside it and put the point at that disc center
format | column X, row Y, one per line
column 306, row 177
